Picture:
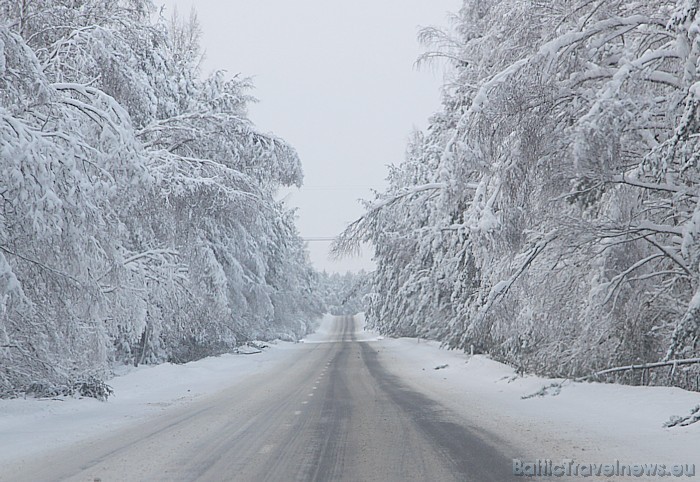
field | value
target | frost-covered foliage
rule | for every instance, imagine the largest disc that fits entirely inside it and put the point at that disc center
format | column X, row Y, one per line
column 138, row 220
column 549, row 215
column 344, row 294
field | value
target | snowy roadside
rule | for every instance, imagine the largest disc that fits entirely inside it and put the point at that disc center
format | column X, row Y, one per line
column 586, row 422
column 30, row 426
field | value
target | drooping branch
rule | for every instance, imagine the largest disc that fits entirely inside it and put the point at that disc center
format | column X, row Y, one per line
column 349, row 241
column 40, row 265
column 500, row 289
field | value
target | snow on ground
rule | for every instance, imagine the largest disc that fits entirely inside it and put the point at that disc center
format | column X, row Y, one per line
column 586, row 422
column 32, row 426
column 363, row 334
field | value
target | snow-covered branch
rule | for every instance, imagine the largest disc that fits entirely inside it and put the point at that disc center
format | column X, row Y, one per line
column 349, row 241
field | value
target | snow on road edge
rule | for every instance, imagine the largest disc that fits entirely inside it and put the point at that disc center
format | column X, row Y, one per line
column 586, row 422
column 31, row 426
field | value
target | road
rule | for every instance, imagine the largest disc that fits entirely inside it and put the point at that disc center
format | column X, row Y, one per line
column 334, row 414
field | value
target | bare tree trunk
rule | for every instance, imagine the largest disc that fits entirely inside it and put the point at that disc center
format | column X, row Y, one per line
column 23, row 17
column 141, row 357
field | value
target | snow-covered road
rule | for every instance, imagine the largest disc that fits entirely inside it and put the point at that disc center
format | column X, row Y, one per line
column 332, row 413
column 343, row 405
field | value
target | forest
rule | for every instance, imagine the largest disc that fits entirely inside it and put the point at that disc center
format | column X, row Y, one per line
column 549, row 214
column 139, row 220
column 343, row 294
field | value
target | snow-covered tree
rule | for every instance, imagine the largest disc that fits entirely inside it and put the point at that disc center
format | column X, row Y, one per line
column 138, row 219
column 343, row 294
column 548, row 214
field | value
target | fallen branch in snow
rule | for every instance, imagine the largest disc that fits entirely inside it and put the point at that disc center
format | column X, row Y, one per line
column 249, row 349
column 676, row 421
column 239, row 352
column 552, row 389
column 258, row 345
column 88, row 386
column 645, row 366
column 511, row 379
column 556, row 386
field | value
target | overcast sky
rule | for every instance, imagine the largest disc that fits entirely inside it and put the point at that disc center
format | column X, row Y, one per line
column 336, row 79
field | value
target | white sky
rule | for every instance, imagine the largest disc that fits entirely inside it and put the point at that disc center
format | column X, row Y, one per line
column 336, row 79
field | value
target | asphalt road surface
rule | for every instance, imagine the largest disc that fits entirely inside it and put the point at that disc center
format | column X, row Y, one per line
column 334, row 414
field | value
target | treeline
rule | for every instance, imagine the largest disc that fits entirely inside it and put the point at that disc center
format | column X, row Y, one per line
column 344, row 294
column 138, row 220
column 549, row 214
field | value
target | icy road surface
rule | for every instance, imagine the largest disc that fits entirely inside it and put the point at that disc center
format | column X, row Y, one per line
column 334, row 413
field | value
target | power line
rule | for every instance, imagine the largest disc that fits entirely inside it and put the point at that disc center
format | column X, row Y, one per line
column 318, row 239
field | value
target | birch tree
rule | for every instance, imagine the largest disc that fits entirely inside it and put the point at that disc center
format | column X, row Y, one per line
column 138, row 222
column 559, row 229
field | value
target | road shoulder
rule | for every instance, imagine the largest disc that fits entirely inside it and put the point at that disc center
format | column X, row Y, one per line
column 586, row 422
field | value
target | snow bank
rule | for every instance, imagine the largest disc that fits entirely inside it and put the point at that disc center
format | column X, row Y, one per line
column 586, row 422
column 362, row 333
column 323, row 332
column 32, row 426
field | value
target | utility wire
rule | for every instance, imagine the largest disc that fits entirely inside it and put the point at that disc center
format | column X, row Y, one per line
column 318, row 239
